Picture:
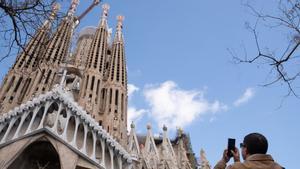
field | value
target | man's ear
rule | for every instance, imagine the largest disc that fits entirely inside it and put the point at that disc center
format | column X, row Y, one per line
column 246, row 151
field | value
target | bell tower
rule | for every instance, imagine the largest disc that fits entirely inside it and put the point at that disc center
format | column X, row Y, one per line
column 90, row 92
column 116, row 87
column 16, row 85
column 55, row 54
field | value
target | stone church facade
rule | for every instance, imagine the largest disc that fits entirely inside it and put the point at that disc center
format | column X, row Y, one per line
column 68, row 110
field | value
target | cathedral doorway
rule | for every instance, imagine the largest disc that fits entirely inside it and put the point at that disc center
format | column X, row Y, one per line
column 38, row 155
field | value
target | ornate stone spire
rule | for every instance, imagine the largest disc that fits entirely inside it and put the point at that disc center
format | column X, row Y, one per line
column 36, row 46
column 73, row 7
column 150, row 145
column 103, row 21
column 183, row 160
column 132, row 126
column 55, row 9
column 119, row 34
column 21, row 77
column 168, row 151
column 117, row 69
column 114, row 72
column 57, row 50
column 204, row 163
column 93, row 88
column 133, row 145
column 58, row 47
column 97, row 53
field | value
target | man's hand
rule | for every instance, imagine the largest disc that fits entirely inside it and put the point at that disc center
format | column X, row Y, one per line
column 225, row 157
column 236, row 155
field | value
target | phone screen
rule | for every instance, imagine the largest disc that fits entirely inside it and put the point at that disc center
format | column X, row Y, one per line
column 231, row 146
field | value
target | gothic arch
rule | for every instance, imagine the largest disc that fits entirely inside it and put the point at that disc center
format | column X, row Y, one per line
column 13, row 129
column 31, row 157
column 71, row 128
column 37, row 119
column 26, row 122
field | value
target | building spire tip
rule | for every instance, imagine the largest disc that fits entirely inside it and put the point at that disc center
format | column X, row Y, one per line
column 148, row 126
column 165, row 128
column 55, row 7
column 105, row 7
column 73, row 7
column 120, row 18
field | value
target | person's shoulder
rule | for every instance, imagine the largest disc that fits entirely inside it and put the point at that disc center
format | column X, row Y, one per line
column 236, row 165
column 277, row 166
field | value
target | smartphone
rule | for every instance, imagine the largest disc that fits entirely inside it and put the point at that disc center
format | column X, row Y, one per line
column 230, row 146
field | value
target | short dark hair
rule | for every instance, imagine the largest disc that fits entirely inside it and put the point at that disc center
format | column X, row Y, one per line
column 256, row 143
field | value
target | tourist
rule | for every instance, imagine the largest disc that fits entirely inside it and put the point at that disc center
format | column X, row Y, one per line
column 254, row 152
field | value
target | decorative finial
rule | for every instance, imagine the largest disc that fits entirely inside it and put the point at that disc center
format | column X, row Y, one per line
column 148, row 126
column 202, row 151
column 180, row 131
column 55, row 9
column 119, row 36
column 165, row 128
column 120, row 20
column 132, row 125
column 105, row 7
column 73, row 7
column 204, row 161
column 75, row 2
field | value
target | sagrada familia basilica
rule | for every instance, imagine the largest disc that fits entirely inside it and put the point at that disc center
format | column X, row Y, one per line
column 63, row 109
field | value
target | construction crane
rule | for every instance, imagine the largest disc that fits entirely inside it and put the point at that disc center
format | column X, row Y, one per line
column 95, row 3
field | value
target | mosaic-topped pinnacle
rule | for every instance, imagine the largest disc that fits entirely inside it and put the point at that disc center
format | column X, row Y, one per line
column 120, row 19
column 180, row 131
column 55, row 7
column 132, row 125
column 105, row 7
column 75, row 2
column 148, row 126
column 165, row 128
column 73, row 7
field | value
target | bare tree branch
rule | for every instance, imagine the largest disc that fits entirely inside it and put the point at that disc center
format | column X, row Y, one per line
column 287, row 18
column 19, row 20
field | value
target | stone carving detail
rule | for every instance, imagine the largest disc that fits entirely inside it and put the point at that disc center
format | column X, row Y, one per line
column 62, row 120
column 50, row 119
column 158, row 152
column 73, row 82
column 56, row 120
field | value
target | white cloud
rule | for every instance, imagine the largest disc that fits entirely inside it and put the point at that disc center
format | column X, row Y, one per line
column 248, row 94
column 134, row 115
column 174, row 107
column 131, row 89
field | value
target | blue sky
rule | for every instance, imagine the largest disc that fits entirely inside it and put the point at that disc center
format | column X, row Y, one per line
column 181, row 73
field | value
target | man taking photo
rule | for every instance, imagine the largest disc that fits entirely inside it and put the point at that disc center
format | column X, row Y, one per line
column 254, row 149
